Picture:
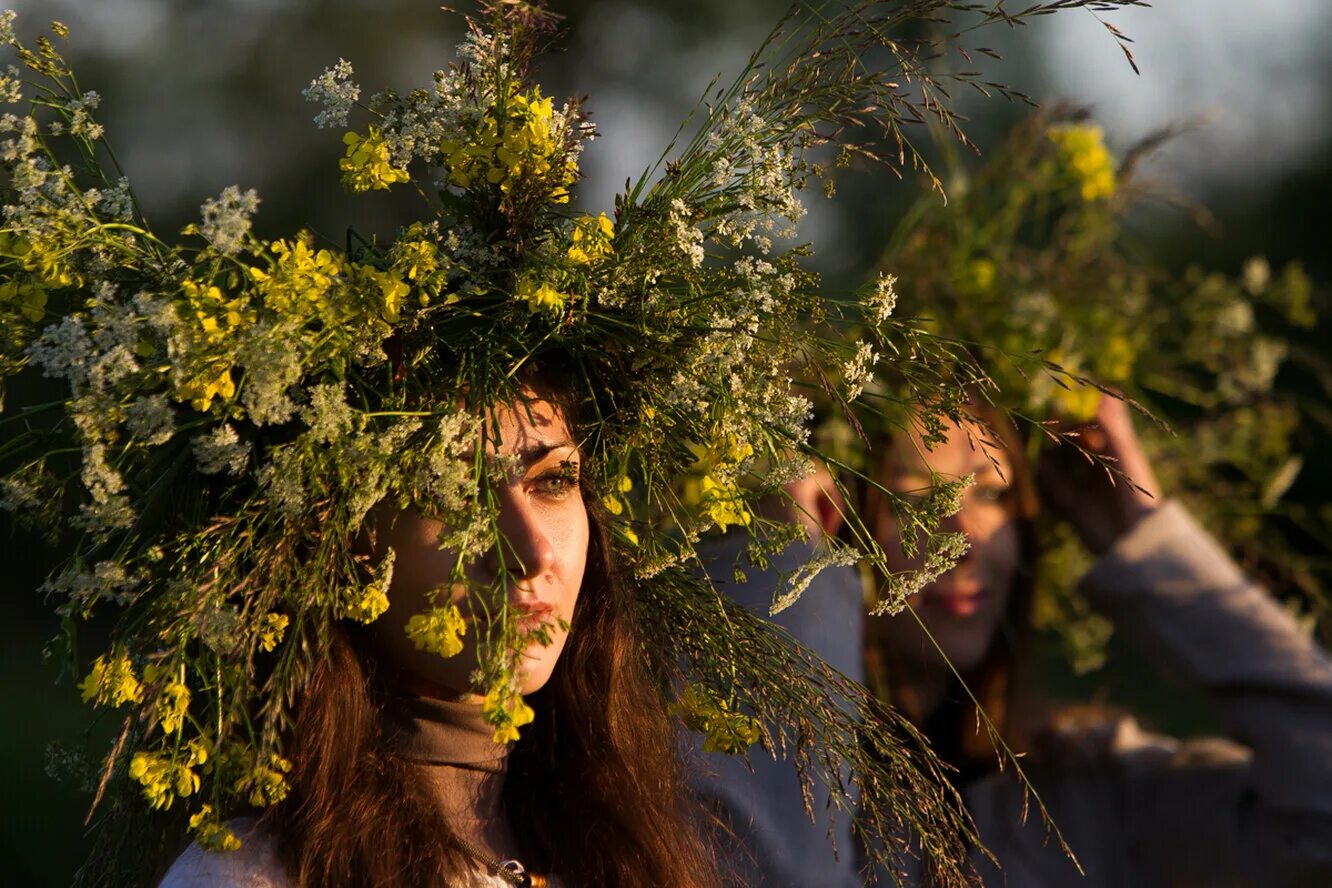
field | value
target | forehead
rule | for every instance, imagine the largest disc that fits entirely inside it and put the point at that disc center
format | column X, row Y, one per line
column 961, row 454
column 525, row 425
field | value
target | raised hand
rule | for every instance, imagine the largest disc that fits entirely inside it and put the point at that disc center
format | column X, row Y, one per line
column 1105, row 491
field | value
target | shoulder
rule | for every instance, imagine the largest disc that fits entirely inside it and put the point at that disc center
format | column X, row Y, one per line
column 255, row 865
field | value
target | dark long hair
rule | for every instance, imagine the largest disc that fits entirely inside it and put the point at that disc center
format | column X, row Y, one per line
column 593, row 791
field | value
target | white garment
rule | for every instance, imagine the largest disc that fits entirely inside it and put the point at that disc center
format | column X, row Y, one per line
column 256, row 865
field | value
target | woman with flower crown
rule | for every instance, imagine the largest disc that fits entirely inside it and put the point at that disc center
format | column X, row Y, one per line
column 397, row 776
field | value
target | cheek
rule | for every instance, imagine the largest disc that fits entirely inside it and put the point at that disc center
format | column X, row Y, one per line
column 574, row 559
column 998, row 550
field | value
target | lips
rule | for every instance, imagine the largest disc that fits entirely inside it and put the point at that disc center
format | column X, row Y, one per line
column 532, row 615
column 954, row 601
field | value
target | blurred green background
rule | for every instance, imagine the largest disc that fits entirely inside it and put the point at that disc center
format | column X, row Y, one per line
column 201, row 94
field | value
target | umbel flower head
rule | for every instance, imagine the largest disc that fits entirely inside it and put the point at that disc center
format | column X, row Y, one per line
column 236, row 406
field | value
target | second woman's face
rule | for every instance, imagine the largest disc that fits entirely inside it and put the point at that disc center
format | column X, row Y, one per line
column 964, row 608
column 543, row 527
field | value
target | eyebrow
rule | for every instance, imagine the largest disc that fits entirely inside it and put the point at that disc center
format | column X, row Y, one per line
column 535, row 453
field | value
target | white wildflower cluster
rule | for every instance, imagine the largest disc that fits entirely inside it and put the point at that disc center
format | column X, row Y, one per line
column 882, row 301
column 271, row 371
column 328, row 414
column 226, row 219
column 33, row 174
column 443, row 474
column 18, row 494
column 942, row 554
column 793, row 585
column 946, row 496
column 859, row 370
column 64, row 351
column 80, row 588
column 151, row 420
column 72, row 765
column 283, row 478
column 11, row 86
column 117, row 202
column 335, row 90
column 797, row 467
column 108, row 509
column 762, row 176
column 419, row 125
column 485, row 52
column 81, row 124
column 218, row 626
column 688, row 238
column 1266, row 356
column 1234, row 319
column 1035, row 311
column 7, row 37
column 221, row 450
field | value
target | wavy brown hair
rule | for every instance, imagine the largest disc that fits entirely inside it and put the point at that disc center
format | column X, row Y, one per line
column 593, row 791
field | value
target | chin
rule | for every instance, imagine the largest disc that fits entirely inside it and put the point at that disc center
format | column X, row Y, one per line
column 966, row 650
column 538, row 666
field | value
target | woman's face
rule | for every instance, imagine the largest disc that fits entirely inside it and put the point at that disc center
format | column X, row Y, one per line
column 963, row 609
column 543, row 526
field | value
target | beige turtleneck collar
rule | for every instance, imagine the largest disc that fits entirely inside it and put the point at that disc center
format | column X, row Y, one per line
column 439, row 732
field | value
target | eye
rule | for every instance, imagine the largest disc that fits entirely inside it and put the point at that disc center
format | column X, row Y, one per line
column 990, row 493
column 557, row 483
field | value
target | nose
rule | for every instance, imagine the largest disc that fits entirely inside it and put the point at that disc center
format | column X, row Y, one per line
column 959, row 522
column 523, row 552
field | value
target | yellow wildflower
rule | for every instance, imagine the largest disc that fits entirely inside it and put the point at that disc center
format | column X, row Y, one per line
column 211, row 833
column 164, row 779
column 267, row 782
column 591, row 239
column 978, row 276
column 1077, row 402
column 514, row 148
column 271, row 630
column 301, row 276
column 29, row 297
column 723, row 730
column 724, row 503
column 415, row 256
column 367, row 164
column 172, row 705
column 111, row 682
column 368, row 606
column 1083, row 153
column 540, row 296
column 214, row 382
column 392, row 290
column 613, row 503
column 438, row 630
column 1114, row 362
column 629, row 535
column 45, row 257
column 506, row 711
column 217, row 315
